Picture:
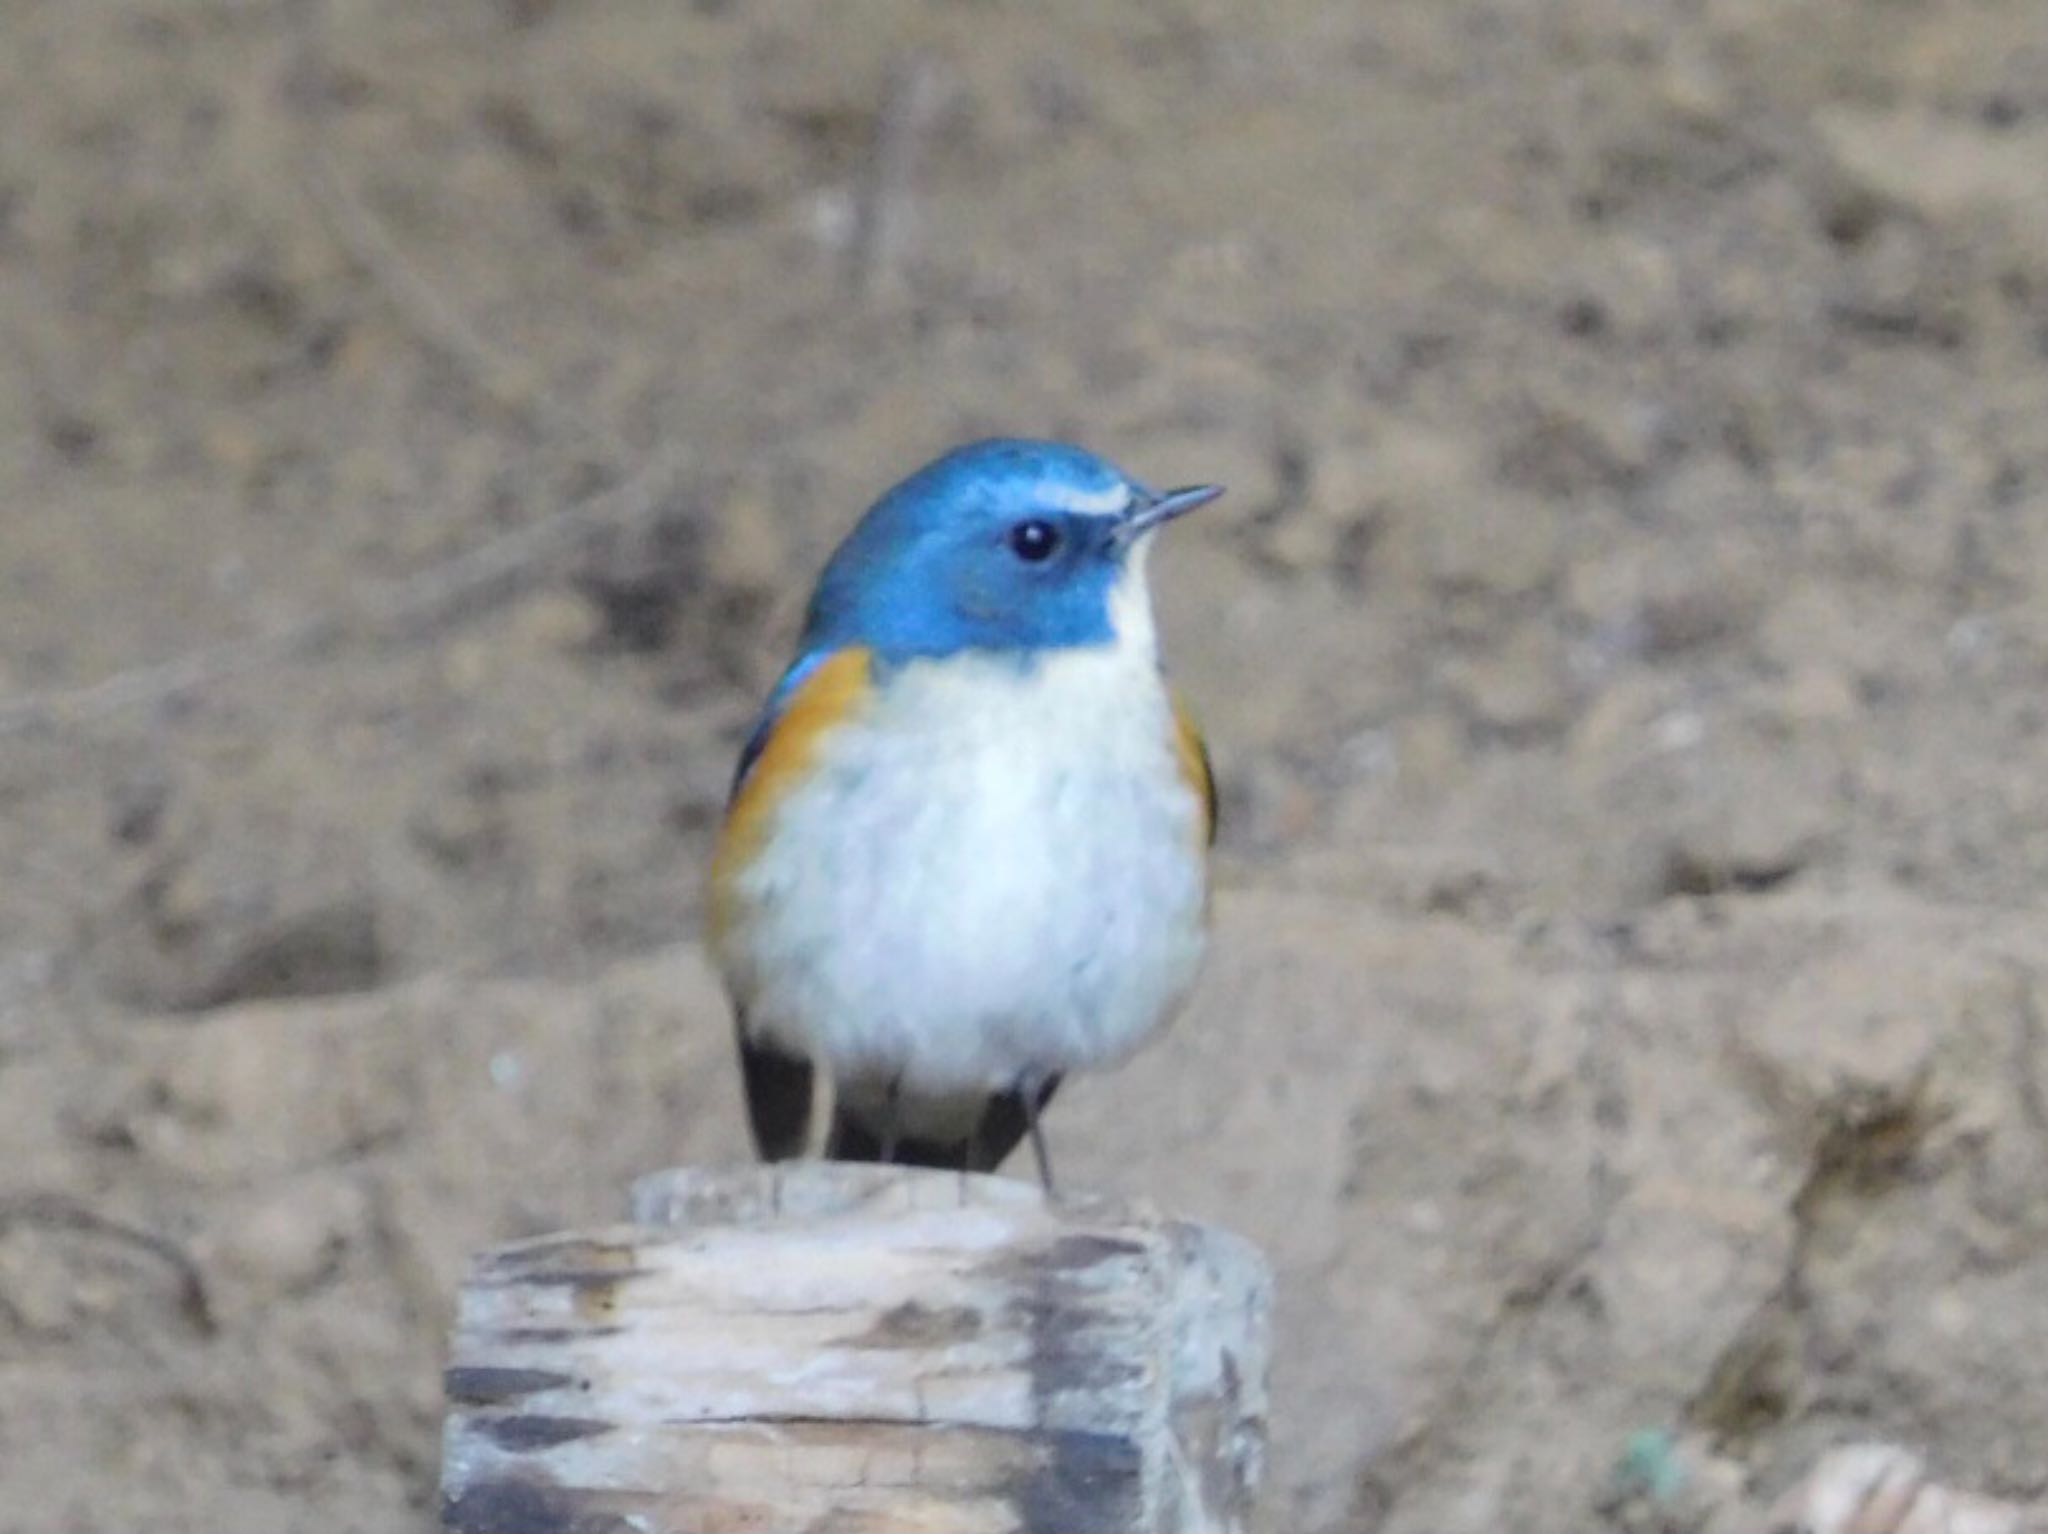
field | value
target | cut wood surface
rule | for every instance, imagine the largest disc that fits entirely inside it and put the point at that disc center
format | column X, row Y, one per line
column 824, row 1346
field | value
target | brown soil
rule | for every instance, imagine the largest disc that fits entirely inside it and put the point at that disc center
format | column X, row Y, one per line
column 1625, row 649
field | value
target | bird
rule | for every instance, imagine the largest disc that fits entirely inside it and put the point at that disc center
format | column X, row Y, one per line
column 965, row 850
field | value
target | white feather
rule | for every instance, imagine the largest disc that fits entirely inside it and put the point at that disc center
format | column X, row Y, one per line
column 1110, row 501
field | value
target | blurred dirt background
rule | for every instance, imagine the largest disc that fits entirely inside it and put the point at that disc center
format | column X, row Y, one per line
column 1625, row 648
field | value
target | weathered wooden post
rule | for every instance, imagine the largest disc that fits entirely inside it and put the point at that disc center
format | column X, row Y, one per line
column 821, row 1347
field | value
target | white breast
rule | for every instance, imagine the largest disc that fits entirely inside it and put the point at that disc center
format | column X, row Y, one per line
column 997, row 870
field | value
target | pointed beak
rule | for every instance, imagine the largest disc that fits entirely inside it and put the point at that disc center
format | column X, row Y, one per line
column 1156, row 511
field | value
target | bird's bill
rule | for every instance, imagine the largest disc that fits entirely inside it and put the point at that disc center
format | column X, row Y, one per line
column 1157, row 511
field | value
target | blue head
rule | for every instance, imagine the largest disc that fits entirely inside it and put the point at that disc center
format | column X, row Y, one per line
column 1005, row 545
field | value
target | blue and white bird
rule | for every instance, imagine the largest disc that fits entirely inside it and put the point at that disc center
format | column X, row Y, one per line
column 966, row 848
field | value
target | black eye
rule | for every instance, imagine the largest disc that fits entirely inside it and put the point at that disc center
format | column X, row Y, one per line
column 1034, row 541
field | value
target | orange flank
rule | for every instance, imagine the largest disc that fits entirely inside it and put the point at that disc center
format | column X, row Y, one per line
column 1194, row 766
column 840, row 684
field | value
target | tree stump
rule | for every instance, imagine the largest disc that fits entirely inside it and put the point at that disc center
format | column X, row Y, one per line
column 822, row 1347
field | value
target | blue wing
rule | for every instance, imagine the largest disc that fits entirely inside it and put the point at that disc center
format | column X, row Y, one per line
column 771, row 711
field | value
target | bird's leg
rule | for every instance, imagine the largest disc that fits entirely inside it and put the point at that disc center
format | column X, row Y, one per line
column 892, row 1099
column 1029, row 1092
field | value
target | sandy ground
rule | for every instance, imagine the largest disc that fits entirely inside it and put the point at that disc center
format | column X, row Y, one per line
column 1625, row 648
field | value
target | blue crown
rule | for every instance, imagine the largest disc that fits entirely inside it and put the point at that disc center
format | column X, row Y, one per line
column 935, row 566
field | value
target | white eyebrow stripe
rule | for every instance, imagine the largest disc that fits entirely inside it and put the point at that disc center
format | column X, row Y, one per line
column 1113, row 501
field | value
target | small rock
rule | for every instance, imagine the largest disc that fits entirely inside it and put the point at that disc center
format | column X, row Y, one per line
column 1577, row 446
column 135, row 811
column 1329, row 526
column 1886, row 1489
column 467, row 664
column 1852, row 1036
column 1633, row 285
column 1496, row 544
column 745, row 547
column 1694, row 88
column 1656, row 601
column 641, row 581
column 1720, row 802
column 1895, row 286
column 1433, row 752
column 1757, row 793
column 38, row 1291
column 463, row 827
column 1450, row 525
column 1815, row 695
column 1748, row 830
column 209, row 923
column 289, row 1240
column 1943, row 169
column 1518, row 688
column 1268, row 808
column 327, row 947
column 555, row 620
column 1618, row 729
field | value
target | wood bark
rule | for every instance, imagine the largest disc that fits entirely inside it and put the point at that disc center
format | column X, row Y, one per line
column 855, row 1349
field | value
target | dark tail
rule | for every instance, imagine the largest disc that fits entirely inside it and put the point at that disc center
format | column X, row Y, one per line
column 1004, row 1122
column 778, row 1087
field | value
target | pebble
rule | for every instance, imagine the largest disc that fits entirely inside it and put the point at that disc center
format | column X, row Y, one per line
column 1517, row 688
column 1494, row 544
column 1449, row 524
column 1942, row 169
column 235, row 919
column 744, row 545
column 37, row 1288
column 289, row 1240
column 555, row 620
column 1744, row 838
column 1326, row 527
column 1872, row 1488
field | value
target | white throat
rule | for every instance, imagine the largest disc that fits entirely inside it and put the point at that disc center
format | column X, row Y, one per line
column 1130, row 604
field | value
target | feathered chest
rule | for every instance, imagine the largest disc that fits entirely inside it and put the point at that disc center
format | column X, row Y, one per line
column 981, row 865
column 1069, row 751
